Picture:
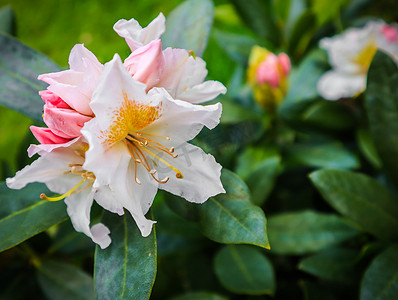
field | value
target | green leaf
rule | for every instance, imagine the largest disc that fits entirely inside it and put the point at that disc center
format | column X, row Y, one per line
column 380, row 280
column 234, row 113
column 326, row 10
column 23, row 215
column 329, row 115
column 316, row 291
column 237, row 46
column 302, row 33
column 335, row 264
column 306, row 232
column 382, row 108
column 61, row 281
column 258, row 15
column 7, row 20
column 368, row 148
column 303, row 85
column 244, row 270
column 259, row 169
column 231, row 218
column 326, row 155
column 127, row 268
column 361, row 198
column 188, row 26
column 199, row 296
column 19, row 68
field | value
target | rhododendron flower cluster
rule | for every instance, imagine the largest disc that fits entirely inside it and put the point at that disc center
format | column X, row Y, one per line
column 267, row 74
column 118, row 132
column 350, row 55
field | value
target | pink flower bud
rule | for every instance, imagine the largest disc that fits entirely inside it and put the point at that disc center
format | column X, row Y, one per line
column 146, row 63
column 65, row 123
column 284, row 62
column 267, row 71
column 50, row 97
column 46, row 136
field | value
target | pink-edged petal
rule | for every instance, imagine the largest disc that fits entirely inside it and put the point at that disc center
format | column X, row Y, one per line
column 181, row 71
column 46, row 148
column 65, row 123
column 181, row 120
column 201, row 174
column 46, row 136
column 78, row 208
column 67, row 85
column 334, row 85
column 203, row 92
column 135, row 35
column 55, row 100
column 146, row 63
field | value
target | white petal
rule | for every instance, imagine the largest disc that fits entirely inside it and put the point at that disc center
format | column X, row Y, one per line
column 116, row 83
column 203, row 92
column 333, row 85
column 114, row 173
column 181, row 120
column 135, row 35
column 79, row 207
column 201, row 174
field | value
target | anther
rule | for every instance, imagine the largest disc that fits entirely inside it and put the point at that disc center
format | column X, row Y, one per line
column 137, row 180
column 165, row 179
column 171, row 150
column 153, row 171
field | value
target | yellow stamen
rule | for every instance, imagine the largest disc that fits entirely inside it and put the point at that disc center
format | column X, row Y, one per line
column 178, row 172
column 68, row 193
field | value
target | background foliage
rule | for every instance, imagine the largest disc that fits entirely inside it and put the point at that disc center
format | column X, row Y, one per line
column 316, row 181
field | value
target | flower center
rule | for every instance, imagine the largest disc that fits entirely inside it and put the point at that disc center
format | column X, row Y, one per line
column 365, row 57
column 139, row 142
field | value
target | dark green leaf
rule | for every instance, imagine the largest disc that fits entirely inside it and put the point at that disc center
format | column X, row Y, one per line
column 127, row 268
column 302, row 33
column 361, row 198
column 19, row 68
column 182, row 207
column 259, row 170
column 259, row 17
column 199, row 296
column 24, row 215
column 306, row 231
column 7, row 20
column 382, row 108
column 329, row 155
column 380, row 280
column 329, row 115
column 234, row 113
column 188, row 26
column 315, row 291
column 368, row 148
column 244, row 270
column 335, row 264
column 231, row 218
column 61, row 281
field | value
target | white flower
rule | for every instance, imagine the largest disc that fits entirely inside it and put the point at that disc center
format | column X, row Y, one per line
column 350, row 55
column 60, row 168
column 135, row 35
column 138, row 144
column 181, row 74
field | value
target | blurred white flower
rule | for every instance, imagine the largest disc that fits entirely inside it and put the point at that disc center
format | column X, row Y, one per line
column 350, row 55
